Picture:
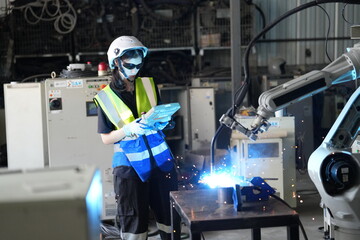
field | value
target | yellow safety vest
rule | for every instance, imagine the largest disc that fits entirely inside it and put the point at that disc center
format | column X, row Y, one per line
column 133, row 151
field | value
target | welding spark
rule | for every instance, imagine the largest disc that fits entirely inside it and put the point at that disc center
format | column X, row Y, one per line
column 220, row 179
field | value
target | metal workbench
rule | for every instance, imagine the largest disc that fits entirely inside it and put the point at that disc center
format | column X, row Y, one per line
column 201, row 211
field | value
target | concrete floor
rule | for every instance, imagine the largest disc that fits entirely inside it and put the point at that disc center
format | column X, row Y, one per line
column 307, row 207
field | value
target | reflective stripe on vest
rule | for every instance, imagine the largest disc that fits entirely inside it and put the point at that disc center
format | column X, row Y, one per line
column 138, row 156
column 115, row 109
column 160, row 151
column 147, row 100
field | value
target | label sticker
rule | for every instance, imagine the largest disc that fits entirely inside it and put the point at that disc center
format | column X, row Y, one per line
column 60, row 84
column 74, row 83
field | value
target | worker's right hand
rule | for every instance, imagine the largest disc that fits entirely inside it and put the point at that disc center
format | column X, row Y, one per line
column 135, row 128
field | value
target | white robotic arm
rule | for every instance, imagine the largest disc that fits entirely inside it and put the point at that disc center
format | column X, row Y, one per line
column 343, row 69
column 332, row 167
column 335, row 172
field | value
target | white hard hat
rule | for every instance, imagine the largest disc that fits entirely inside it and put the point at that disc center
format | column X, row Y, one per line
column 120, row 45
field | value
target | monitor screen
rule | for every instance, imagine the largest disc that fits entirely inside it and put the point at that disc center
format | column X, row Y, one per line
column 91, row 109
column 263, row 150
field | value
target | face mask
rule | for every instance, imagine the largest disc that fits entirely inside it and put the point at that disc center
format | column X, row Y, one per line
column 130, row 67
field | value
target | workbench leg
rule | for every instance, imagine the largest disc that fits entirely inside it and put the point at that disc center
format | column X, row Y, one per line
column 256, row 234
column 293, row 232
column 175, row 223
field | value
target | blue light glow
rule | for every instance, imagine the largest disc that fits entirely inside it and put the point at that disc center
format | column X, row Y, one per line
column 221, row 179
column 224, row 174
column 94, row 205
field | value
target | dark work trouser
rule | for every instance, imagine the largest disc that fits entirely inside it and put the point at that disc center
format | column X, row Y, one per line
column 134, row 198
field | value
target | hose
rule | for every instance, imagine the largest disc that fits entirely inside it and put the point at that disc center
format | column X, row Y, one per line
column 64, row 21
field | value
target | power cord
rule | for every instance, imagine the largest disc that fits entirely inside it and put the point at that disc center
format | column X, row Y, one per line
column 242, row 91
column 261, row 12
column 44, row 75
column 64, row 16
column 327, row 34
column 343, row 15
column 300, row 223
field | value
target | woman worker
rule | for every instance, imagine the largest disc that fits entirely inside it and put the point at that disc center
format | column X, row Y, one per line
column 143, row 164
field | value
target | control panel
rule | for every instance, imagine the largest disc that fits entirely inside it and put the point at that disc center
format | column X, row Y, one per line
column 72, row 130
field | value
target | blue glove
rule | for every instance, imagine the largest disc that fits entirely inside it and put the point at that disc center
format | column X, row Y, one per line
column 135, row 128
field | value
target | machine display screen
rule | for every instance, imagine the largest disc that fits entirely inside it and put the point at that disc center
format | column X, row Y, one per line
column 91, row 109
column 263, row 150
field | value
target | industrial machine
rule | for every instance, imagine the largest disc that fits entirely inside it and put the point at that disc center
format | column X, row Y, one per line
column 191, row 133
column 57, row 203
column 54, row 123
column 332, row 167
column 202, row 106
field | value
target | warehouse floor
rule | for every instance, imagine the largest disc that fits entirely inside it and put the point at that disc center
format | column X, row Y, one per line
column 308, row 208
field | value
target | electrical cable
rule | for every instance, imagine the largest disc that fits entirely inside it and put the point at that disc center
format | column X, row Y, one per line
column 212, row 146
column 239, row 99
column 241, row 92
column 327, row 34
column 262, row 15
column 45, row 75
column 272, row 24
column 300, row 223
column 343, row 14
column 64, row 22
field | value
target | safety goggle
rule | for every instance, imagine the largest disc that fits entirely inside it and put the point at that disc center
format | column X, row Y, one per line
column 131, row 66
